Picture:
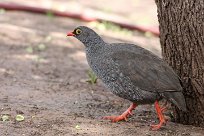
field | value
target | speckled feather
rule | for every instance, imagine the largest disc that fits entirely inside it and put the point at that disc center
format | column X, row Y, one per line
column 130, row 71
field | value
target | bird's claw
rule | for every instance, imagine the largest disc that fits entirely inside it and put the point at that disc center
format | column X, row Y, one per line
column 158, row 126
column 115, row 118
column 163, row 109
column 124, row 116
column 130, row 113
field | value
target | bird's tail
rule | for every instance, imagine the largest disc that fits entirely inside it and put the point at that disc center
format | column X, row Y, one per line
column 177, row 99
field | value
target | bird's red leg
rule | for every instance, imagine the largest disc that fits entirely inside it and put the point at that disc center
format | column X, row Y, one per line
column 123, row 116
column 160, row 115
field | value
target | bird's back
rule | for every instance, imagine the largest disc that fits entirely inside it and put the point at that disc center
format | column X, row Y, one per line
column 146, row 70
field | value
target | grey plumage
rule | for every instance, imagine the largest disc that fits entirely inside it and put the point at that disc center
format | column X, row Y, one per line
column 130, row 71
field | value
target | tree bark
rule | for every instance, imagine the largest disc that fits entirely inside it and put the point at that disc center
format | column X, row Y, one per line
column 182, row 41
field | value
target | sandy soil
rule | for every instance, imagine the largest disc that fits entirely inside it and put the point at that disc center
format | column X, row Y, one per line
column 48, row 86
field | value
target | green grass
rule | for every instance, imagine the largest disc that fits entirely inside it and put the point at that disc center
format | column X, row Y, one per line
column 41, row 47
column 50, row 14
column 29, row 49
column 2, row 11
column 92, row 77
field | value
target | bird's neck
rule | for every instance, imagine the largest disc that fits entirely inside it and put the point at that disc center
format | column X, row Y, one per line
column 95, row 48
column 94, row 45
column 93, row 41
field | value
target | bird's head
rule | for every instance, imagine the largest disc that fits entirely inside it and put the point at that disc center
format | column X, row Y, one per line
column 86, row 35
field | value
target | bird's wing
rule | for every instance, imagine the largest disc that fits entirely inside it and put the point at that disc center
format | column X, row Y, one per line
column 146, row 71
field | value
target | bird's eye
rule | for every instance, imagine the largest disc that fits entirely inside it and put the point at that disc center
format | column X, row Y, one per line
column 78, row 31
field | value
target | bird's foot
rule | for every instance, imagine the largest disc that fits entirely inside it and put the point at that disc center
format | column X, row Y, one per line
column 158, row 126
column 163, row 109
column 162, row 120
column 115, row 118
column 123, row 116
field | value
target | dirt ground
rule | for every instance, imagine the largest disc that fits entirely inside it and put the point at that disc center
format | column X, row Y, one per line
column 48, row 85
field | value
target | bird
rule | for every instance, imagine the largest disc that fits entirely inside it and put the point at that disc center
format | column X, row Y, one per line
column 133, row 73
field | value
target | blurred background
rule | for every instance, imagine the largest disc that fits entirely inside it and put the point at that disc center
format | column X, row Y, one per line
column 138, row 12
column 105, row 15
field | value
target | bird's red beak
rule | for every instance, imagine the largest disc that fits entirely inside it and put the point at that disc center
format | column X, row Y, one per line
column 70, row 34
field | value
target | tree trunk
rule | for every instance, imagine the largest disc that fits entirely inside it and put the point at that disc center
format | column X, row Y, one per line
column 182, row 41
